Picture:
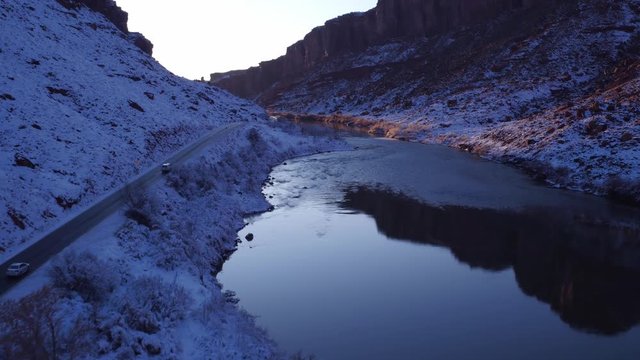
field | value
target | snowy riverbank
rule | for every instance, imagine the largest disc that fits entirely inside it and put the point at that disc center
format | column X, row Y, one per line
column 85, row 110
column 150, row 289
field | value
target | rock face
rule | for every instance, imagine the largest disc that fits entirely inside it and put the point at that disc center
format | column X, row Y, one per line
column 141, row 42
column 398, row 18
column 115, row 15
column 108, row 8
column 551, row 86
column 111, row 11
column 390, row 19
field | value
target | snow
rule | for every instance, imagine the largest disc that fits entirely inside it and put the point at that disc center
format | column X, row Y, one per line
column 95, row 238
column 90, row 140
column 85, row 111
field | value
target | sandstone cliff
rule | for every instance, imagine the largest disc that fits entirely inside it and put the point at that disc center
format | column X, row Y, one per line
column 551, row 86
column 356, row 31
column 115, row 15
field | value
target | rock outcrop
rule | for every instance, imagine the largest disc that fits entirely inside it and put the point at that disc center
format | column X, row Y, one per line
column 390, row 19
column 115, row 15
column 141, row 42
column 111, row 11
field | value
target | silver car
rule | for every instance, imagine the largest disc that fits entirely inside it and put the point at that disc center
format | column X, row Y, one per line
column 17, row 269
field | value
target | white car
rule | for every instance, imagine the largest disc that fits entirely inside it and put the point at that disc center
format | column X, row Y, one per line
column 17, row 269
column 166, row 167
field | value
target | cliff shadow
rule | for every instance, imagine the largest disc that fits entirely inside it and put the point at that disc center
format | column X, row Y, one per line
column 587, row 270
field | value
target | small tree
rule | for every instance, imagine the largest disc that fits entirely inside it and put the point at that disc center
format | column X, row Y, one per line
column 39, row 327
column 23, row 327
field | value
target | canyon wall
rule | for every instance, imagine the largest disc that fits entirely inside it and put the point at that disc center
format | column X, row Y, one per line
column 118, row 17
column 356, row 31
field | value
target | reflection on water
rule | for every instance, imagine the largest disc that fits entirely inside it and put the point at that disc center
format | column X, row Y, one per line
column 587, row 271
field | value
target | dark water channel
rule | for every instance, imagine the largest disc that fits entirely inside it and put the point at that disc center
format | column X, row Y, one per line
column 406, row 251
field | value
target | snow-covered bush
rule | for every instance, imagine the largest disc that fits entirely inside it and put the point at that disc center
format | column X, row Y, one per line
column 196, row 179
column 92, row 278
column 169, row 248
column 232, row 171
column 148, row 302
column 193, row 179
column 211, row 307
column 142, row 207
column 221, row 315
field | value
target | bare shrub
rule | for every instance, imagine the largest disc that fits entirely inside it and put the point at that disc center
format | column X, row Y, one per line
column 85, row 274
column 44, row 325
column 142, row 206
column 543, row 171
column 179, row 178
column 211, row 308
column 168, row 137
column 625, row 190
column 594, row 127
column 18, row 219
column 300, row 356
column 219, row 310
column 149, row 301
column 170, row 247
column 258, row 144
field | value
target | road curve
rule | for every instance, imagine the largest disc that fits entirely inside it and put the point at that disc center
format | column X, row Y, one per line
column 62, row 236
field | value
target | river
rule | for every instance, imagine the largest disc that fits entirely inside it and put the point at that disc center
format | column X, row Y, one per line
column 398, row 250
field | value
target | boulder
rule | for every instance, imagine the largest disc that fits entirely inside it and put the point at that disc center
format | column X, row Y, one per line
column 21, row 160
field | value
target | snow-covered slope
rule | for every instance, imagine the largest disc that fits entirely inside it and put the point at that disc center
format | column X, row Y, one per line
column 83, row 110
column 146, row 287
column 555, row 92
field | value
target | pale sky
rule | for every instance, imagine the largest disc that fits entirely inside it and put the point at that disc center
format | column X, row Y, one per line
column 193, row 38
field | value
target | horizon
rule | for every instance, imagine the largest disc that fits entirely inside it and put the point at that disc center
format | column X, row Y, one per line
column 179, row 47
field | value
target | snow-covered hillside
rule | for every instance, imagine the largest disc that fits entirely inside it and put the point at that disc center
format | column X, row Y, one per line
column 83, row 110
column 553, row 92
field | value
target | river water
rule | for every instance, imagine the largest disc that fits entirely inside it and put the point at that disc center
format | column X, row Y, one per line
column 405, row 251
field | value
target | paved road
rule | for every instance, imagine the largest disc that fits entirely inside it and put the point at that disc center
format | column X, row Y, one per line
column 52, row 243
